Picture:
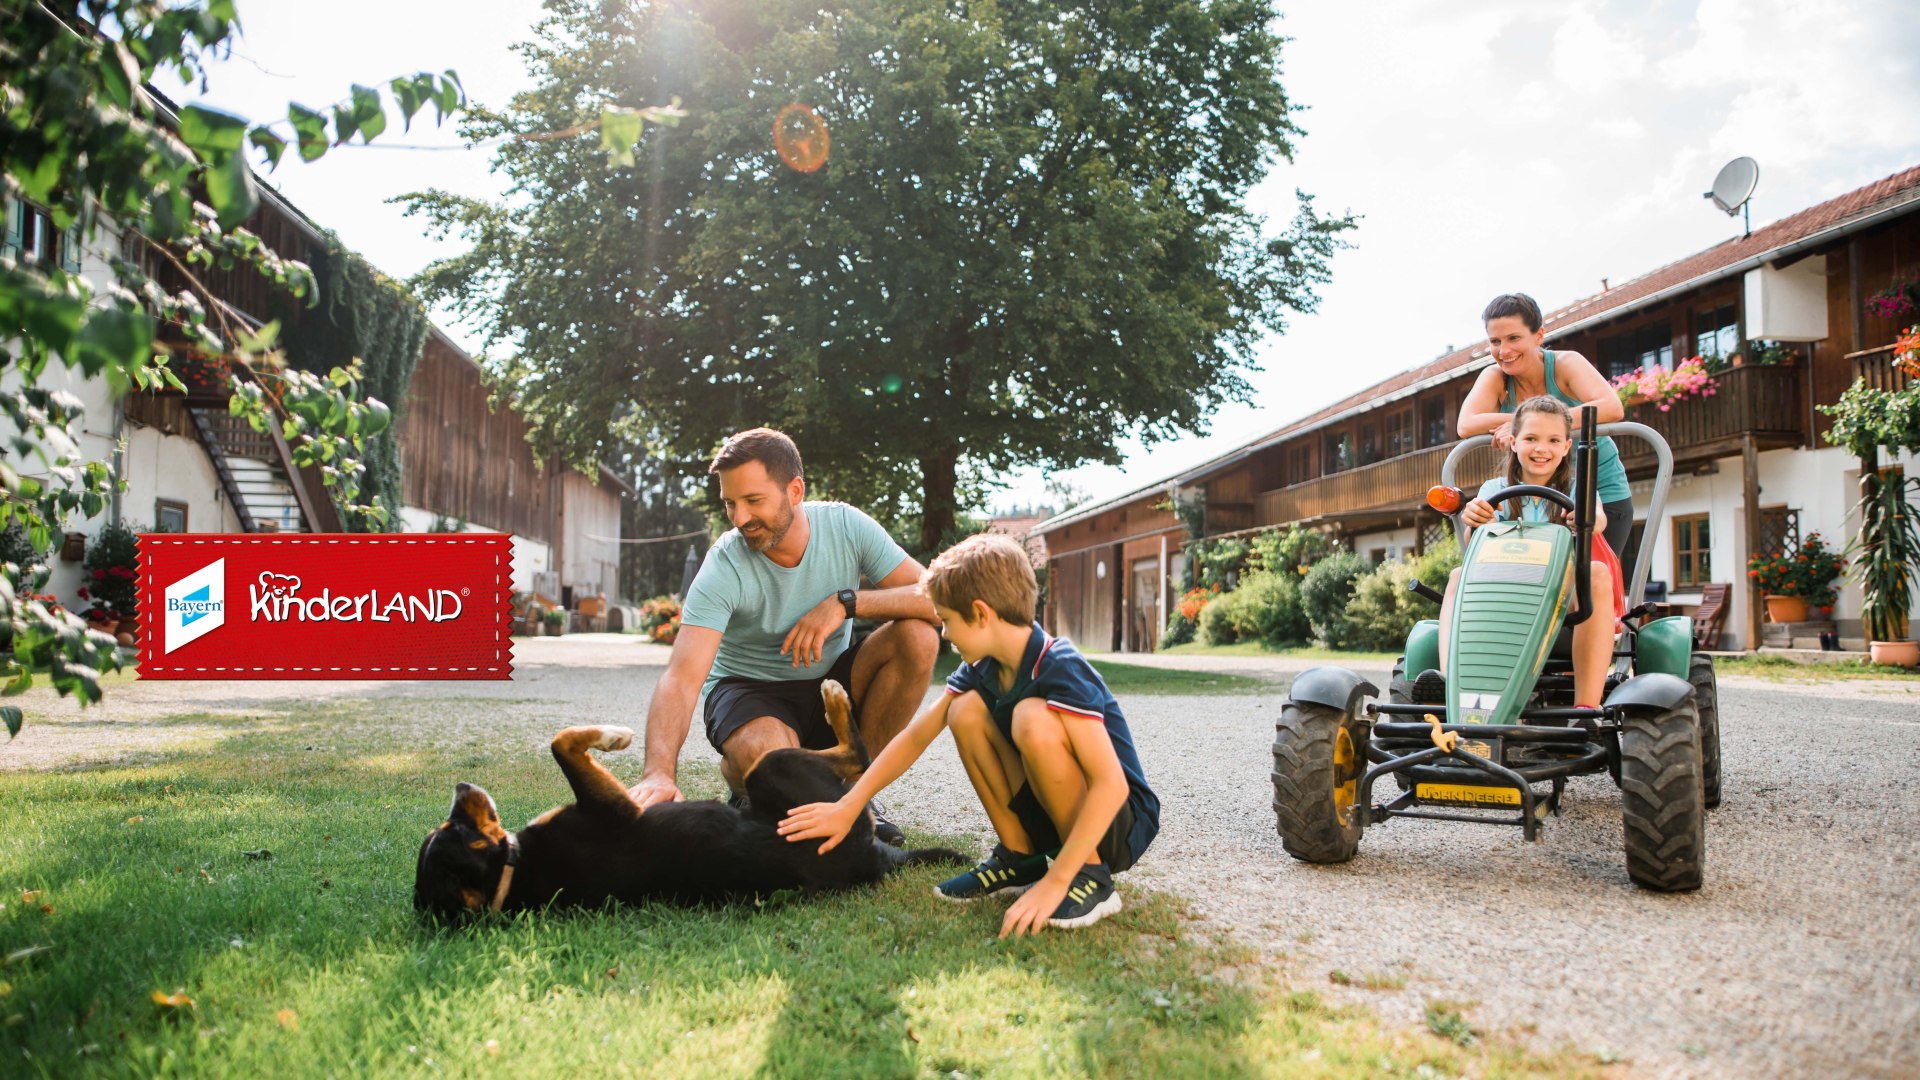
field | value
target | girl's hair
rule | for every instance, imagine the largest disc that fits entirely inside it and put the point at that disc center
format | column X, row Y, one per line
column 1562, row 478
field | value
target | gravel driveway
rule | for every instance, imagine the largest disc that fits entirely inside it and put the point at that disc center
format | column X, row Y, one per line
column 1800, row 957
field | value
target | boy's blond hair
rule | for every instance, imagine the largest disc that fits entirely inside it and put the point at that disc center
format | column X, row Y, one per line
column 990, row 568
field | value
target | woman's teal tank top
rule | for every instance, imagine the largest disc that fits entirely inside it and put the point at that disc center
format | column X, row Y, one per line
column 1612, row 486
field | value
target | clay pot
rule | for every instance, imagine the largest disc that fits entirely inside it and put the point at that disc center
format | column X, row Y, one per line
column 1786, row 609
column 125, row 639
column 130, row 626
column 1895, row 653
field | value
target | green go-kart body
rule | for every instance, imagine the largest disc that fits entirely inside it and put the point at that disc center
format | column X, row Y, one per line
column 1498, row 743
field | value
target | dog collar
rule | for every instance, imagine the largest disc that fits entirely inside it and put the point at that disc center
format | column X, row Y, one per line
column 506, row 872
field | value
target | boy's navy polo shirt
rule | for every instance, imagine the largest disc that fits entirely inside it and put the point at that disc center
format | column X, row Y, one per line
column 1055, row 672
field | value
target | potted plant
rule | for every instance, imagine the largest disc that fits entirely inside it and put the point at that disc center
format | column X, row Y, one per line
column 556, row 622
column 1885, row 555
column 112, row 581
column 1773, row 574
column 1660, row 388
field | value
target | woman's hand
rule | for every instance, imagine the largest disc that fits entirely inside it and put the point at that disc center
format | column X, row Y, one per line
column 1502, row 436
column 1477, row 513
column 822, row 819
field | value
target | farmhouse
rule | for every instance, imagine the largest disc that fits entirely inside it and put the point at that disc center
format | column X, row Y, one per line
column 1781, row 316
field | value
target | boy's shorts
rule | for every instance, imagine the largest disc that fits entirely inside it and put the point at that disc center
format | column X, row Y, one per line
column 1115, row 848
column 734, row 702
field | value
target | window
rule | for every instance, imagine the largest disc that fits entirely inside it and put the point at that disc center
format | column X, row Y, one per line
column 1369, row 443
column 1779, row 530
column 169, row 516
column 31, row 237
column 1400, row 433
column 1336, row 452
column 1646, row 346
column 1716, row 332
column 1433, row 422
column 1692, row 566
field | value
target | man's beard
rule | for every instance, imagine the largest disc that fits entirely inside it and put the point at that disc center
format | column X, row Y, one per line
column 770, row 534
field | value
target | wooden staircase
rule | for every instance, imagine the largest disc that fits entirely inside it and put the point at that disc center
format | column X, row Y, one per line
column 256, row 470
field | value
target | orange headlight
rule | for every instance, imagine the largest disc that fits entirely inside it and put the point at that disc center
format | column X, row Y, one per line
column 1447, row 500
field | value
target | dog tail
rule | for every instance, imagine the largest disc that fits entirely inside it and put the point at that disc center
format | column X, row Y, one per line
column 899, row 860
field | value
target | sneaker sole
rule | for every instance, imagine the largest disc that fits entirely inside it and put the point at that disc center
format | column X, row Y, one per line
column 1109, row 906
column 1009, row 892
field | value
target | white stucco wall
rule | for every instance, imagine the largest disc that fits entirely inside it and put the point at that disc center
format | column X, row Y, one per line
column 1397, row 542
column 1822, row 484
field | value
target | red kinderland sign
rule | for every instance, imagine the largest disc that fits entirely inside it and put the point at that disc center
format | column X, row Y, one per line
column 325, row 606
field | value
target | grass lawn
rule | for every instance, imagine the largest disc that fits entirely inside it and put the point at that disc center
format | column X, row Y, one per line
column 1298, row 652
column 1779, row 668
column 267, row 883
column 1140, row 679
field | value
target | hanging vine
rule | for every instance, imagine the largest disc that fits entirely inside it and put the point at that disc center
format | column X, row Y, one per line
column 367, row 315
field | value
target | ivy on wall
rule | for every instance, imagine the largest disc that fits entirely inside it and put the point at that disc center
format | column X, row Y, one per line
column 363, row 313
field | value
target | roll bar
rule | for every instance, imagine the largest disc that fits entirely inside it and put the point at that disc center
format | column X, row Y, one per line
column 1656, row 510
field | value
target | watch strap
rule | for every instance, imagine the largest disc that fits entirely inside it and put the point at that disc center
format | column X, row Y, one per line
column 847, row 598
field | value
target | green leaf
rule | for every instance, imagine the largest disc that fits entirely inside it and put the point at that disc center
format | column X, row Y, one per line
column 262, row 339
column 378, row 416
column 619, row 130
column 270, row 144
column 211, row 133
column 230, row 188
column 13, row 717
column 368, row 115
column 119, row 75
column 447, row 99
column 310, row 131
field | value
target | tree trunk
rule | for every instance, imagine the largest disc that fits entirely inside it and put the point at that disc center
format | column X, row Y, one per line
column 939, row 476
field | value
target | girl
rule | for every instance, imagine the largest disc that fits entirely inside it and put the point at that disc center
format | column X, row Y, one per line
column 1541, row 453
column 1524, row 368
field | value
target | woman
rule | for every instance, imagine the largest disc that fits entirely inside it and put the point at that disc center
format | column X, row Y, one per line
column 1522, row 369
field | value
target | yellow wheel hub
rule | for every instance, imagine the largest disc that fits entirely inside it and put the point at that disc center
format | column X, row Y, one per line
column 1346, row 775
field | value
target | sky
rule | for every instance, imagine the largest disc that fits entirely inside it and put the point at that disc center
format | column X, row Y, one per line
column 1488, row 146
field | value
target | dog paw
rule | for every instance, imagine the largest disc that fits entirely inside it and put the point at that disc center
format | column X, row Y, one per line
column 614, row 738
column 834, row 697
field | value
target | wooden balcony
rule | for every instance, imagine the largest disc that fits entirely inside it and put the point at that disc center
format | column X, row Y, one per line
column 1767, row 403
column 1875, row 368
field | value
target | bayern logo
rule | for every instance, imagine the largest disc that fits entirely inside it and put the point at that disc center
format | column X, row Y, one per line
column 196, row 605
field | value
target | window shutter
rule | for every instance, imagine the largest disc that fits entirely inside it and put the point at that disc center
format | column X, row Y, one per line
column 14, row 210
column 70, row 249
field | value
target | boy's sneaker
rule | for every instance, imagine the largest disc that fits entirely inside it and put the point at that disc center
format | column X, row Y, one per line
column 1003, row 871
column 1089, row 899
column 883, row 830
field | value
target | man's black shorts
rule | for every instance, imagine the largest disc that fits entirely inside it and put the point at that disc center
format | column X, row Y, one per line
column 1114, row 849
column 733, row 702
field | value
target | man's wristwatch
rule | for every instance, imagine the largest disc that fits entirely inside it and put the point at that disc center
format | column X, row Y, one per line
column 847, row 597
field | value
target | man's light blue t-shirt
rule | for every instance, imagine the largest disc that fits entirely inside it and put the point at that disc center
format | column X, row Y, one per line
column 754, row 601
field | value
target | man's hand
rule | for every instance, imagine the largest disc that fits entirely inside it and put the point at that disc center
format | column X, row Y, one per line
column 808, row 638
column 822, row 819
column 1030, row 913
column 655, row 788
column 1477, row 513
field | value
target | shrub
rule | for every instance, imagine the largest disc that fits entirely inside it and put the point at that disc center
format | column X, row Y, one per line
column 1179, row 631
column 657, row 612
column 1268, row 609
column 1288, row 549
column 112, row 577
column 1324, row 593
column 1217, row 621
column 1383, row 610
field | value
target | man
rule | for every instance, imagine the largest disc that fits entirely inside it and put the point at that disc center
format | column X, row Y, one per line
column 768, row 618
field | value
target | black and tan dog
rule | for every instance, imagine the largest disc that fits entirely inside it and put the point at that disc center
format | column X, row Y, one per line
column 603, row 847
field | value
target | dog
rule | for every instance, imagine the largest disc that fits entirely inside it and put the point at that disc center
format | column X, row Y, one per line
column 603, row 847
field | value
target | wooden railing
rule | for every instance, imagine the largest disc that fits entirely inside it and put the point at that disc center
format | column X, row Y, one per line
column 1763, row 401
column 1402, row 480
column 1875, row 368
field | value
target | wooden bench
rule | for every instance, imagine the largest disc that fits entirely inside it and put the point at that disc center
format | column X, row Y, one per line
column 1711, row 616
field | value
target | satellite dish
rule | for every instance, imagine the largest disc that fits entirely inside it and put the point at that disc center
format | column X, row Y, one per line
column 1734, row 186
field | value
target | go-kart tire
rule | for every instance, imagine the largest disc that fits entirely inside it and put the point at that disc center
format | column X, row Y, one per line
column 1305, row 777
column 1706, row 702
column 1663, row 804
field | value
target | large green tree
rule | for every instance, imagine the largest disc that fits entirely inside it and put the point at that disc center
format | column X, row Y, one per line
column 1029, row 240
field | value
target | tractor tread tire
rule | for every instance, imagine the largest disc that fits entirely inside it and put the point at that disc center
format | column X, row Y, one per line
column 1303, row 782
column 1706, row 702
column 1662, row 795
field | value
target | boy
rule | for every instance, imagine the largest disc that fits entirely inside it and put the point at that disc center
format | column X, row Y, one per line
column 1042, row 739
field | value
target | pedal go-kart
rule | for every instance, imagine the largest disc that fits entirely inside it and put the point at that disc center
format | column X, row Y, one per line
column 1497, row 744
